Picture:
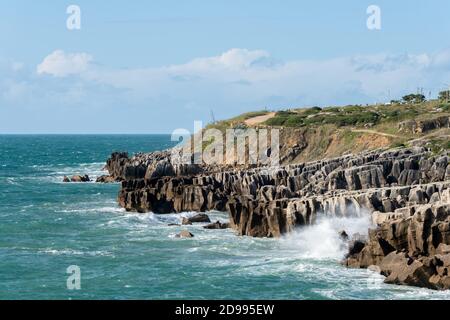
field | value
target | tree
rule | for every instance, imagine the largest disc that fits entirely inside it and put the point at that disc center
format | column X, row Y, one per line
column 414, row 98
column 420, row 98
column 444, row 95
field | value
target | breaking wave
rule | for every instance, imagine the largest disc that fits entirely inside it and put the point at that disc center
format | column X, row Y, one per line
column 322, row 240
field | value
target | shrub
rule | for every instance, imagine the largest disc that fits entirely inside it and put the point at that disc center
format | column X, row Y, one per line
column 445, row 107
column 295, row 121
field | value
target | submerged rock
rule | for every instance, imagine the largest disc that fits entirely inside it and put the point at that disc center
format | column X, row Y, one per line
column 185, row 221
column 184, row 234
column 77, row 178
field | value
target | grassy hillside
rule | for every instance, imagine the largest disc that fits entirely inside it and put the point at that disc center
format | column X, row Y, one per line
column 332, row 131
column 236, row 122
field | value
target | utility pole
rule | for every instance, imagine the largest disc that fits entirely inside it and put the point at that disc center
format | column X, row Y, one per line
column 419, row 90
column 213, row 119
column 447, row 91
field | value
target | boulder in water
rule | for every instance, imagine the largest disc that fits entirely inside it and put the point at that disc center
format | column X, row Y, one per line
column 185, row 221
column 217, row 225
column 184, row 234
column 201, row 217
column 343, row 235
column 77, row 178
column 105, row 179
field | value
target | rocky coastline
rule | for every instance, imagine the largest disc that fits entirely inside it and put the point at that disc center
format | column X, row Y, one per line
column 405, row 190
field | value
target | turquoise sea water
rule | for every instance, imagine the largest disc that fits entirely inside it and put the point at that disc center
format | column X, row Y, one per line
column 47, row 226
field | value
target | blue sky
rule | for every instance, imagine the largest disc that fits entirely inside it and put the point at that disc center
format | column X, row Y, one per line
column 154, row 66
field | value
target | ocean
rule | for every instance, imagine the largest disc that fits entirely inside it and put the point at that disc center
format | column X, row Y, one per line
column 47, row 226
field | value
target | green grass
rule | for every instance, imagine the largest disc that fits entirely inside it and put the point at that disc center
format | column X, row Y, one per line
column 356, row 115
column 381, row 117
column 445, row 107
column 346, row 116
column 438, row 145
column 249, row 115
column 236, row 122
column 348, row 136
column 331, row 130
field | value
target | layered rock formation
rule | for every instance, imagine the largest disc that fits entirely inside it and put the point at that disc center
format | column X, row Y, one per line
column 425, row 125
column 410, row 246
column 406, row 190
column 268, row 202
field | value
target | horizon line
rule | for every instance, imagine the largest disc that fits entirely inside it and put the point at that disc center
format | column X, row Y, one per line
column 75, row 133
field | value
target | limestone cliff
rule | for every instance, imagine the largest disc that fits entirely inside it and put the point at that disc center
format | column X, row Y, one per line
column 399, row 173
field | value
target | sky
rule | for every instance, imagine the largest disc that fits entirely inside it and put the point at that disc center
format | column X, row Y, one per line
column 155, row 66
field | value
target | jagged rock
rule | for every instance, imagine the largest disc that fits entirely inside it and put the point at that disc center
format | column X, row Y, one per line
column 343, row 235
column 406, row 190
column 412, row 248
column 184, row 234
column 79, row 178
column 162, row 168
column 355, row 247
column 325, row 185
column 116, row 165
column 421, row 126
column 185, row 221
column 443, row 249
column 201, row 217
column 404, row 270
column 217, row 225
column 417, row 196
column 105, row 179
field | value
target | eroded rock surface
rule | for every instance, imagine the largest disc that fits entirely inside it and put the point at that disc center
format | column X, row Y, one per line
column 411, row 245
column 405, row 190
column 201, row 217
column 77, row 178
column 267, row 202
column 184, row 234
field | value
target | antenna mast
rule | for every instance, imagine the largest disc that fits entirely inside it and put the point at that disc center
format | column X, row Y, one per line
column 213, row 118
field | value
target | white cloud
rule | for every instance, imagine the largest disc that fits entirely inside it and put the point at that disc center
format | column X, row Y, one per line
column 60, row 64
column 162, row 98
column 246, row 77
column 233, row 59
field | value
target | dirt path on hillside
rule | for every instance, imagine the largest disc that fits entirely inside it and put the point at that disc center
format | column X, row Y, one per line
column 441, row 133
column 375, row 132
column 259, row 119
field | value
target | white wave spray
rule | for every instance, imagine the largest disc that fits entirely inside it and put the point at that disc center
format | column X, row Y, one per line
column 322, row 240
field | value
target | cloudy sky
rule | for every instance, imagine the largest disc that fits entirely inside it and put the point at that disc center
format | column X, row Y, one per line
column 154, row 66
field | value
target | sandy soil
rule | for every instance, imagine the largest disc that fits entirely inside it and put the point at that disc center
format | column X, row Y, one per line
column 259, row 119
